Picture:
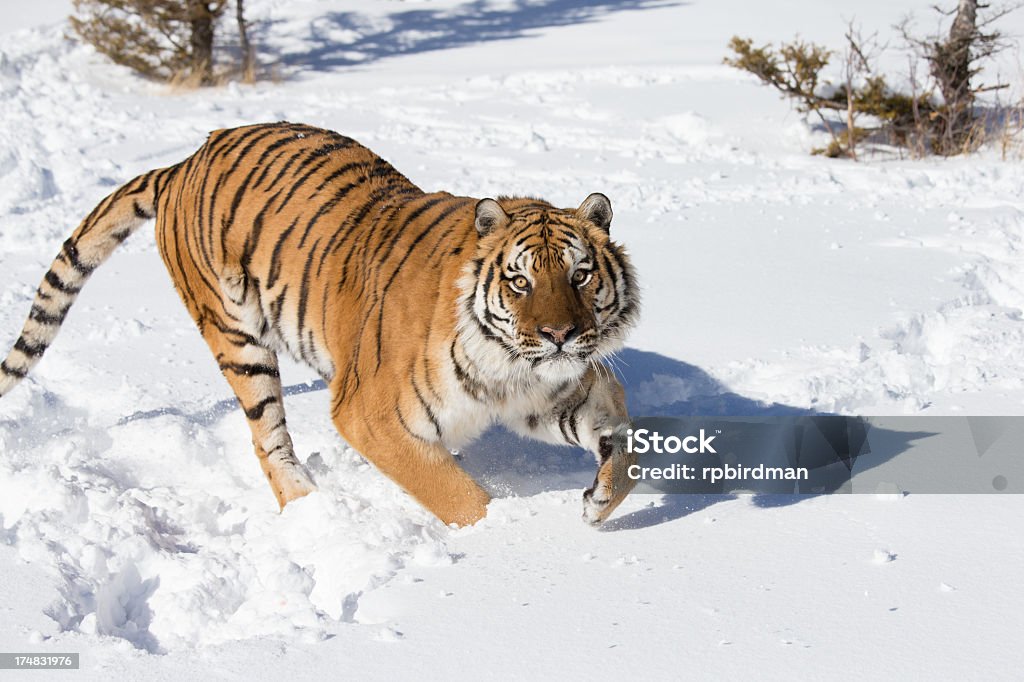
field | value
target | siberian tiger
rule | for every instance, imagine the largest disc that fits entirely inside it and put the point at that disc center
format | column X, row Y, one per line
column 429, row 316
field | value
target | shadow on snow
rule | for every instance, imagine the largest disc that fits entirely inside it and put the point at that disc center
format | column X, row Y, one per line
column 343, row 39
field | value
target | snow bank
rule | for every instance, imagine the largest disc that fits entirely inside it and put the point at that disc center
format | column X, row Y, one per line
column 178, row 553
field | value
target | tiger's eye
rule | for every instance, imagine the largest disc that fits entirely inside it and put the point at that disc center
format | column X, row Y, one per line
column 521, row 283
column 580, row 277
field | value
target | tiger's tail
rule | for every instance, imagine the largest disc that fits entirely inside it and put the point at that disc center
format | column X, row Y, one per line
column 109, row 224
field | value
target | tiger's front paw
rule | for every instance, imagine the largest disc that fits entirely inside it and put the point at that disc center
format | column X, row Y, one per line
column 595, row 508
column 612, row 483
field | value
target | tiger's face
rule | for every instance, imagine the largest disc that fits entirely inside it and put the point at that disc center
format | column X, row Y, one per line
column 550, row 288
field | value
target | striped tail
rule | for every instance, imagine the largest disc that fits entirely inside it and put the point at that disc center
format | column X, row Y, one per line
column 109, row 224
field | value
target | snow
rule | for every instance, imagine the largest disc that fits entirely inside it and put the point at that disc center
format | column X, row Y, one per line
column 135, row 526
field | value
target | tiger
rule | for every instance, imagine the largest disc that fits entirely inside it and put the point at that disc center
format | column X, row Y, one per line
column 430, row 317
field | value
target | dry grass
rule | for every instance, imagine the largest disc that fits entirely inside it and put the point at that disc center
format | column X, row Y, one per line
column 185, row 79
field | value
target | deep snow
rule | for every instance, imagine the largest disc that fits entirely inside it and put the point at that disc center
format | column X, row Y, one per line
column 137, row 526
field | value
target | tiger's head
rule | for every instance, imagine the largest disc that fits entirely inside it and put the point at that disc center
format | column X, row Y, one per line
column 548, row 288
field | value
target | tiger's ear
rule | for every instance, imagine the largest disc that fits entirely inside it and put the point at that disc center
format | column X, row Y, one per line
column 490, row 216
column 597, row 209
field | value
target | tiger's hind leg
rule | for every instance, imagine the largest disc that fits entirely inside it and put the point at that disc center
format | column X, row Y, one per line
column 252, row 371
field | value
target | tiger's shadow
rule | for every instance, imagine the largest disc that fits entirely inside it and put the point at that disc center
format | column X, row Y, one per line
column 656, row 386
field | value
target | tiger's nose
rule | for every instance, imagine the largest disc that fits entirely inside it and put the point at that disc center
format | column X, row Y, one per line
column 557, row 335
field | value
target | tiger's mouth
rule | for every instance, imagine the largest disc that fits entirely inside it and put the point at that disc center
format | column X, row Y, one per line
column 537, row 353
column 539, row 350
column 568, row 357
column 561, row 366
column 562, row 359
